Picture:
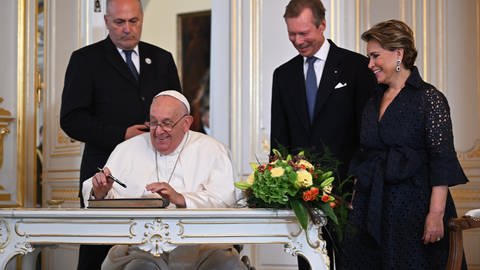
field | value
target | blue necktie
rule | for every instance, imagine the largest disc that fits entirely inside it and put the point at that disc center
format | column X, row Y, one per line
column 131, row 66
column 311, row 86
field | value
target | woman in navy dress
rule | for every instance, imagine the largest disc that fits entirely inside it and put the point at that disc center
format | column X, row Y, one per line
column 405, row 165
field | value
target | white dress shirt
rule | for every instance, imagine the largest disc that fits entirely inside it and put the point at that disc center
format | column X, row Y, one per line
column 135, row 57
column 321, row 56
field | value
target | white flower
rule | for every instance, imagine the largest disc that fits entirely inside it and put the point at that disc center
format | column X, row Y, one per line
column 305, row 163
column 304, row 178
column 328, row 189
column 277, row 171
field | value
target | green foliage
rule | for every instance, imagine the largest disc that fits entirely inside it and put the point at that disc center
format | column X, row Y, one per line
column 275, row 189
column 328, row 211
column 301, row 212
column 298, row 183
column 242, row 185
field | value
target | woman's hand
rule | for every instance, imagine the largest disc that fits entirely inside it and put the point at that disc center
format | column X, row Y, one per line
column 434, row 230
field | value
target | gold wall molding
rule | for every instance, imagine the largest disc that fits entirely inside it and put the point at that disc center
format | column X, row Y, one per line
column 22, row 64
column 5, row 119
column 62, row 138
column 67, row 194
column 471, row 158
column 466, row 195
column 3, row 112
column 65, row 146
column 5, row 197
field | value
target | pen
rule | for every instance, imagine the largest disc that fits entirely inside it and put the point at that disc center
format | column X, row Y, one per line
column 113, row 178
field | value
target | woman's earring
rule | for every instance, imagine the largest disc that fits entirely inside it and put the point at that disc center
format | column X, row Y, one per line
column 397, row 68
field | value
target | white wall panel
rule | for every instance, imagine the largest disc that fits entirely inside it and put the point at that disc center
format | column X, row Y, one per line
column 250, row 40
column 461, row 71
column 9, row 94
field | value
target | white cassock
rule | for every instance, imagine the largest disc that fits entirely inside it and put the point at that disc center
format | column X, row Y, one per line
column 203, row 174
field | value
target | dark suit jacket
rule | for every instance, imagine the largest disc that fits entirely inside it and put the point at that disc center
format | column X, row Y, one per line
column 337, row 111
column 101, row 98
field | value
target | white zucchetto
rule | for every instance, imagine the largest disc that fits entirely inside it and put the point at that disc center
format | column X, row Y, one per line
column 179, row 96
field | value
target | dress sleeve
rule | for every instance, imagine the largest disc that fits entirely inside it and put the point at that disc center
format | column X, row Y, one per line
column 445, row 168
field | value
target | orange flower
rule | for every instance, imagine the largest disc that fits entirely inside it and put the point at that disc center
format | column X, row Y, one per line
column 307, row 196
column 325, row 198
column 310, row 195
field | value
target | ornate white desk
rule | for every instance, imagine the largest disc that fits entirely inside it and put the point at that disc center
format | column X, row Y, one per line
column 157, row 231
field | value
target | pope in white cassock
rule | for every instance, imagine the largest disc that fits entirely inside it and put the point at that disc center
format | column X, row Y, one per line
column 190, row 169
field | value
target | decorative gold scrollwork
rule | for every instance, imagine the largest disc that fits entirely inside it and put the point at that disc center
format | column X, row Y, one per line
column 5, row 234
column 5, row 118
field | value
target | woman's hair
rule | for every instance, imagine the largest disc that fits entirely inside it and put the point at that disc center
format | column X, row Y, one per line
column 391, row 35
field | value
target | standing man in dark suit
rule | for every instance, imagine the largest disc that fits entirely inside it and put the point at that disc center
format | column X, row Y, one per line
column 326, row 114
column 108, row 89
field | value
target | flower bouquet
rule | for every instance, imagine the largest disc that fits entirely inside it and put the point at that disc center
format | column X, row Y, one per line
column 294, row 182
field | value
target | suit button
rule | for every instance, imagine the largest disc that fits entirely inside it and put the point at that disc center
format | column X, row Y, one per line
column 143, row 98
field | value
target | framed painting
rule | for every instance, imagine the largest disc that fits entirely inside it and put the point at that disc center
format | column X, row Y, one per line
column 194, row 35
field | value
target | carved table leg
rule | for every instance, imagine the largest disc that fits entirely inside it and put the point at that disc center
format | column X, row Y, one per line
column 311, row 245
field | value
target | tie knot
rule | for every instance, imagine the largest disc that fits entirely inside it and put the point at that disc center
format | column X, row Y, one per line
column 311, row 60
column 130, row 64
column 128, row 53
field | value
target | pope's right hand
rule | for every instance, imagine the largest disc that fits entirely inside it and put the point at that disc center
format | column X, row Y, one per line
column 101, row 184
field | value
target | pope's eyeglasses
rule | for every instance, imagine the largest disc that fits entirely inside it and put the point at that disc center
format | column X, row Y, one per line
column 166, row 125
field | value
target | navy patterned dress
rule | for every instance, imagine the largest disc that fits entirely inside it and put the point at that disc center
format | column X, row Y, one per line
column 402, row 155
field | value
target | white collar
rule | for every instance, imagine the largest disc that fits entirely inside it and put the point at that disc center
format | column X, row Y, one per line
column 135, row 50
column 322, row 53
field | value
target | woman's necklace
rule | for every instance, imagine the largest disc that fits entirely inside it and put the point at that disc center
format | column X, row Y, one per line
column 176, row 161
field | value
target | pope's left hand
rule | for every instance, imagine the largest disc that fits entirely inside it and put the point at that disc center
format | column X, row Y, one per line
column 167, row 192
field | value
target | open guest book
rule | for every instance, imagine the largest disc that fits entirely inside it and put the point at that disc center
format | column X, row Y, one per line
column 129, row 203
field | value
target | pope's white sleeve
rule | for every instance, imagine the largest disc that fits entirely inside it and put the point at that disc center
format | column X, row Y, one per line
column 86, row 190
column 217, row 191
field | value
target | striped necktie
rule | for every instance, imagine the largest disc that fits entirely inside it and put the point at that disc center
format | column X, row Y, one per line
column 311, row 86
column 131, row 66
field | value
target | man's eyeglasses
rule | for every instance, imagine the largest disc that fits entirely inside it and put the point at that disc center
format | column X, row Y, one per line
column 166, row 125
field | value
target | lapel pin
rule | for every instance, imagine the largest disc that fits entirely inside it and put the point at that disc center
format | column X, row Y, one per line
column 148, row 60
column 335, row 71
